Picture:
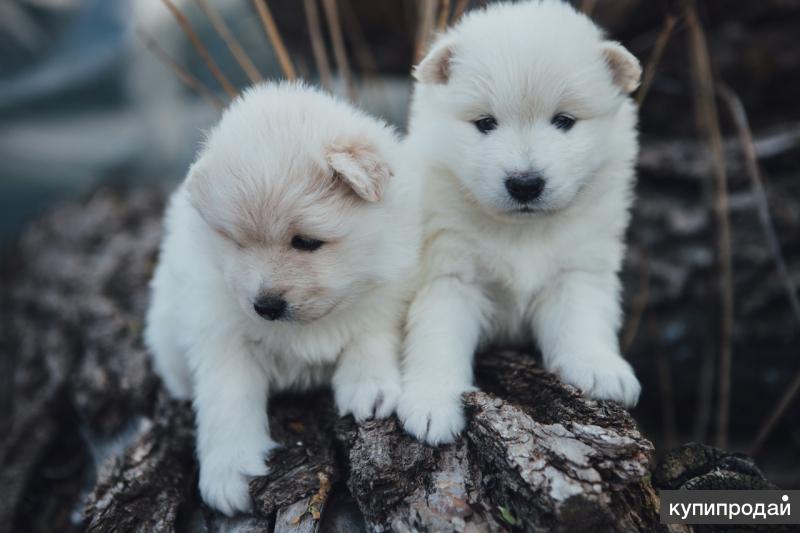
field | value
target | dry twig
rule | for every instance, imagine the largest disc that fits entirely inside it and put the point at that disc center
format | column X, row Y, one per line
column 200, row 48
column 230, row 40
column 275, row 38
column 425, row 25
column 739, row 116
column 775, row 415
column 705, row 392
column 363, row 55
column 667, row 400
column 318, row 43
column 444, row 15
column 339, row 50
column 184, row 75
column 639, row 306
column 461, row 7
column 708, row 121
column 361, row 50
column 655, row 57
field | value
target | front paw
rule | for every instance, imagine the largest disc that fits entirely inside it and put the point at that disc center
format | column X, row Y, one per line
column 603, row 378
column 432, row 415
column 225, row 476
column 366, row 397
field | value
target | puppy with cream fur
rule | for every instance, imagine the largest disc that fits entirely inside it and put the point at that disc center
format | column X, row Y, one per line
column 285, row 264
column 522, row 122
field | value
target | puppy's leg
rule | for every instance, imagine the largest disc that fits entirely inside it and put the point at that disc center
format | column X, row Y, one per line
column 444, row 325
column 576, row 323
column 169, row 361
column 160, row 337
column 233, row 441
column 366, row 382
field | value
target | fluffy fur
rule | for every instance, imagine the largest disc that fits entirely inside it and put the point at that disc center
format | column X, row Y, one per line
column 497, row 270
column 284, row 161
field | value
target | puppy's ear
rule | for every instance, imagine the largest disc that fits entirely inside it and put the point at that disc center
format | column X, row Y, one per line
column 361, row 167
column 435, row 66
column 625, row 68
column 199, row 188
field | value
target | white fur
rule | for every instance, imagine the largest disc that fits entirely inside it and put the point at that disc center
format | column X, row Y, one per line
column 491, row 273
column 268, row 159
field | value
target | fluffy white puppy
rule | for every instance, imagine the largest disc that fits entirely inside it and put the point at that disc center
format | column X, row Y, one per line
column 285, row 264
column 522, row 122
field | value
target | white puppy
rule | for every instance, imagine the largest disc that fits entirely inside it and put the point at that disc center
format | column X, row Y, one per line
column 523, row 124
column 285, row 264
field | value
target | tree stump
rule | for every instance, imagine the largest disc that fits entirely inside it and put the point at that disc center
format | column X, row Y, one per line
column 89, row 428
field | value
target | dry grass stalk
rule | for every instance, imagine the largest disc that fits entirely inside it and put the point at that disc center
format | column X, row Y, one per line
column 318, row 43
column 361, row 49
column 775, row 415
column 664, row 372
column 275, row 38
column 444, row 15
column 363, row 54
column 184, row 75
column 705, row 393
column 461, row 8
column 655, row 57
column 708, row 121
column 667, row 400
column 230, row 40
column 200, row 48
column 425, row 25
column 639, row 306
column 739, row 116
column 339, row 50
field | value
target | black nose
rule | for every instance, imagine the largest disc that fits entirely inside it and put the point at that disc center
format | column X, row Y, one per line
column 270, row 307
column 525, row 187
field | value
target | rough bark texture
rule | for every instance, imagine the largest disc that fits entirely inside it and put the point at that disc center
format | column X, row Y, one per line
column 697, row 466
column 536, row 455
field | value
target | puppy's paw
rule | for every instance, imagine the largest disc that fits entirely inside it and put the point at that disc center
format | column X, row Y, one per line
column 432, row 416
column 602, row 378
column 225, row 477
column 367, row 397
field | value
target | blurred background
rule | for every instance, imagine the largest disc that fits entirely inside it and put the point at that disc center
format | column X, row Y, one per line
column 98, row 92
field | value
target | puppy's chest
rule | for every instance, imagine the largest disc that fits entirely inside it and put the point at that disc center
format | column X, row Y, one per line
column 297, row 361
column 516, row 269
column 516, row 277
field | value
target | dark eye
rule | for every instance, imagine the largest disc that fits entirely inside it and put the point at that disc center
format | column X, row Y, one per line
column 306, row 244
column 563, row 121
column 486, row 124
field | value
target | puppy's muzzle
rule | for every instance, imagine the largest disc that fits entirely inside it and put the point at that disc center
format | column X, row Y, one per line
column 270, row 307
column 525, row 187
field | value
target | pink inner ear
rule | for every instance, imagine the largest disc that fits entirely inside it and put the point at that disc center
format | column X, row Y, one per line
column 435, row 66
column 625, row 68
column 361, row 169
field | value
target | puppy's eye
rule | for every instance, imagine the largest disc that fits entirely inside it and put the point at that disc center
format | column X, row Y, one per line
column 306, row 244
column 486, row 124
column 563, row 121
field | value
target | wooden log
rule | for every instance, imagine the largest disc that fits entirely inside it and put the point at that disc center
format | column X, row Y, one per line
column 536, row 455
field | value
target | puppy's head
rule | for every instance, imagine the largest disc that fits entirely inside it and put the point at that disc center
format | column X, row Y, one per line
column 290, row 185
column 520, row 102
